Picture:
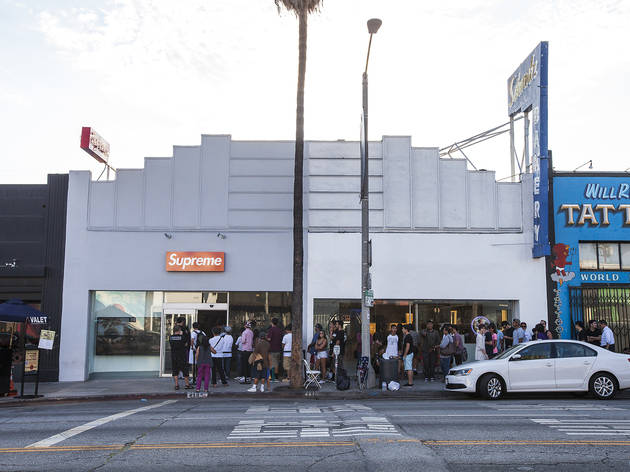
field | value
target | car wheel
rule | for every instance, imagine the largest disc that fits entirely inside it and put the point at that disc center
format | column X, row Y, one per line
column 491, row 387
column 603, row 386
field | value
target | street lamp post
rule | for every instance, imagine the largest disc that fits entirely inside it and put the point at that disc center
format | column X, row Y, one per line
column 366, row 250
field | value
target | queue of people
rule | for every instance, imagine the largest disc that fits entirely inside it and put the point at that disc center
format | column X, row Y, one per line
column 598, row 333
column 261, row 355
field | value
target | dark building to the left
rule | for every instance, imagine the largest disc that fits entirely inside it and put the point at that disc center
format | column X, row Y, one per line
column 32, row 251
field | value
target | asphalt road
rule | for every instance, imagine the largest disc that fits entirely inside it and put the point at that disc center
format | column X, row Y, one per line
column 515, row 434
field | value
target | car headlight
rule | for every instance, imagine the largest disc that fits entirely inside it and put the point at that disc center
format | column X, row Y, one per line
column 460, row 372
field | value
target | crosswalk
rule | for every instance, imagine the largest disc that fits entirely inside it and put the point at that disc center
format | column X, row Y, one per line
column 587, row 427
column 313, row 428
column 554, row 407
column 296, row 421
column 307, row 410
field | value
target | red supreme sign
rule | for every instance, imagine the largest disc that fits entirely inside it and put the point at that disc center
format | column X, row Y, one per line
column 195, row 261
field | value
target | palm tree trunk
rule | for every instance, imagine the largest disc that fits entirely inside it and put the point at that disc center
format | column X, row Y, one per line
column 298, row 213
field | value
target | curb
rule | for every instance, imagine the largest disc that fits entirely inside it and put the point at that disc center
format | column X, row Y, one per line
column 282, row 395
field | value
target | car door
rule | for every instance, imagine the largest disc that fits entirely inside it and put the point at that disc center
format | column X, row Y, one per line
column 532, row 368
column 574, row 362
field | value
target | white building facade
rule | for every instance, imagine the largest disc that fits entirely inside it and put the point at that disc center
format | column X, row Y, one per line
column 449, row 245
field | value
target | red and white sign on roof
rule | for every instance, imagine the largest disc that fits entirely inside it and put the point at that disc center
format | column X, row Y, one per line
column 94, row 144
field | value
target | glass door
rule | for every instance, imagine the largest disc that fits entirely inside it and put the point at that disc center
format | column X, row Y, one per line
column 171, row 315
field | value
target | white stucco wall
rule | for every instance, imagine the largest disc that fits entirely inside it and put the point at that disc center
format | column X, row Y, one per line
column 135, row 260
column 430, row 266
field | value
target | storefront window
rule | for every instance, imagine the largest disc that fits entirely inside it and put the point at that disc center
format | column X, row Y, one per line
column 608, row 256
column 260, row 307
column 126, row 331
column 588, row 256
column 414, row 312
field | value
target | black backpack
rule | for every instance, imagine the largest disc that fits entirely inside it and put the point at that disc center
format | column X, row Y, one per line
column 343, row 382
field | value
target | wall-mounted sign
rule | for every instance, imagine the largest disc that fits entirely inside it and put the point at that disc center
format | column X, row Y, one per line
column 527, row 92
column 94, row 144
column 195, row 261
column 46, row 339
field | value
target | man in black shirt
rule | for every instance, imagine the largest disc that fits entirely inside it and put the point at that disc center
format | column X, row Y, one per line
column 508, row 332
column 179, row 356
column 339, row 339
column 408, row 350
column 593, row 333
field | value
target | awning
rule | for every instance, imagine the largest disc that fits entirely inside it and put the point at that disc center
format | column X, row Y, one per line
column 17, row 311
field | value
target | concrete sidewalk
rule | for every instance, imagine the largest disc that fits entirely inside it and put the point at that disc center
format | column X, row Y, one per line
column 153, row 388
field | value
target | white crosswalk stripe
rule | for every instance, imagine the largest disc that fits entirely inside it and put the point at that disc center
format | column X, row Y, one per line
column 376, row 426
column 555, row 407
column 587, row 427
column 307, row 410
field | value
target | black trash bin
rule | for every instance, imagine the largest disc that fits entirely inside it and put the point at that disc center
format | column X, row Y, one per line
column 389, row 370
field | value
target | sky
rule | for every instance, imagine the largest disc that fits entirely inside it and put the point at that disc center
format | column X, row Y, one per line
column 150, row 74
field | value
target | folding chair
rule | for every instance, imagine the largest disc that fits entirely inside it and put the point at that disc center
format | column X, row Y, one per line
column 312, row 376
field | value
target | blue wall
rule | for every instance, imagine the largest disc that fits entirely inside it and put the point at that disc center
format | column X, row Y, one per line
column 588, row 190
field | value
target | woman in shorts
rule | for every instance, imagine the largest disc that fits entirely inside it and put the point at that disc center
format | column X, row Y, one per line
column 321, row 347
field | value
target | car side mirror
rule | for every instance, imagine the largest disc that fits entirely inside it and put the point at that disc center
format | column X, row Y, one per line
column 515, row 357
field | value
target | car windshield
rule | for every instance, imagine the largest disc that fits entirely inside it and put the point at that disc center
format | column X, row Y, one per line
column 508, row 353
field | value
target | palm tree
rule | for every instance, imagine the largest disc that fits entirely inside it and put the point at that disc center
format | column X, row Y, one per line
column 301, row 9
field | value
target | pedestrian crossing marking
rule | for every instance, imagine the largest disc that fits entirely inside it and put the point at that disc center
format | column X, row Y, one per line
column 590, row 427
column 307, row 410
column 313, row 428
column 552, row 407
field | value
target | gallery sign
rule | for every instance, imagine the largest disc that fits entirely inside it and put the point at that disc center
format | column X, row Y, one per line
column 195, row 261
column 527, row 92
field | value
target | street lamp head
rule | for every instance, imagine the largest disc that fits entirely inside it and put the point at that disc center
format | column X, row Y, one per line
column 373, row 25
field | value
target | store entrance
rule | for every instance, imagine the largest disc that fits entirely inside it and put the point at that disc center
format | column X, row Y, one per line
column 209, row 319
column 207, row 315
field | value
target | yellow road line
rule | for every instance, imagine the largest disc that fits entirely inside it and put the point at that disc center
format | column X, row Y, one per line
column 236, row 445
column 525, row 443
column 107, row 447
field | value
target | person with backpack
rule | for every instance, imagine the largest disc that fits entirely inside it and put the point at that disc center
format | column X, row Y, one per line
column 408, row 351
column 260, row 361
column 447, row 349
column 194, row 336
column 204, row 359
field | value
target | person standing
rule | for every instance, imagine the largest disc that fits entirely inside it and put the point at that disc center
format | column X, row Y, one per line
column 489, row 343
column 287, row 340
column 228, row 342
column 204, row 360
column 393, row 348
column 430, row 342
column 518, row 335
column 447, row 349
column 192, row 354
column 480, row 344
column 608, row 338
column 593, row 333
column 217, row 356
column 261, row 363
column 508, row 332
column 247, row 347
column 179, row 356
column 416, row 342
column 321, row 347
column 408, row 351
column 580, row 332
column 499, row 334
column 274, row 336
column 339, row 339
column 6, row 359
column 460, row 348
column 311, row 347
column 527, row 335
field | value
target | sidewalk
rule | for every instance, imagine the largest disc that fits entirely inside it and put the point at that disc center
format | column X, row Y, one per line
column 154, row 388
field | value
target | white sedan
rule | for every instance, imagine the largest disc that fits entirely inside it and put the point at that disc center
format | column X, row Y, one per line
column 545, row 366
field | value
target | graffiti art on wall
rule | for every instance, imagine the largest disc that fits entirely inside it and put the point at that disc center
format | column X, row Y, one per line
column 561, row 253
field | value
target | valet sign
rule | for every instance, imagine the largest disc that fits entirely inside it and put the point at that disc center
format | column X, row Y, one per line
column 181, row 261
